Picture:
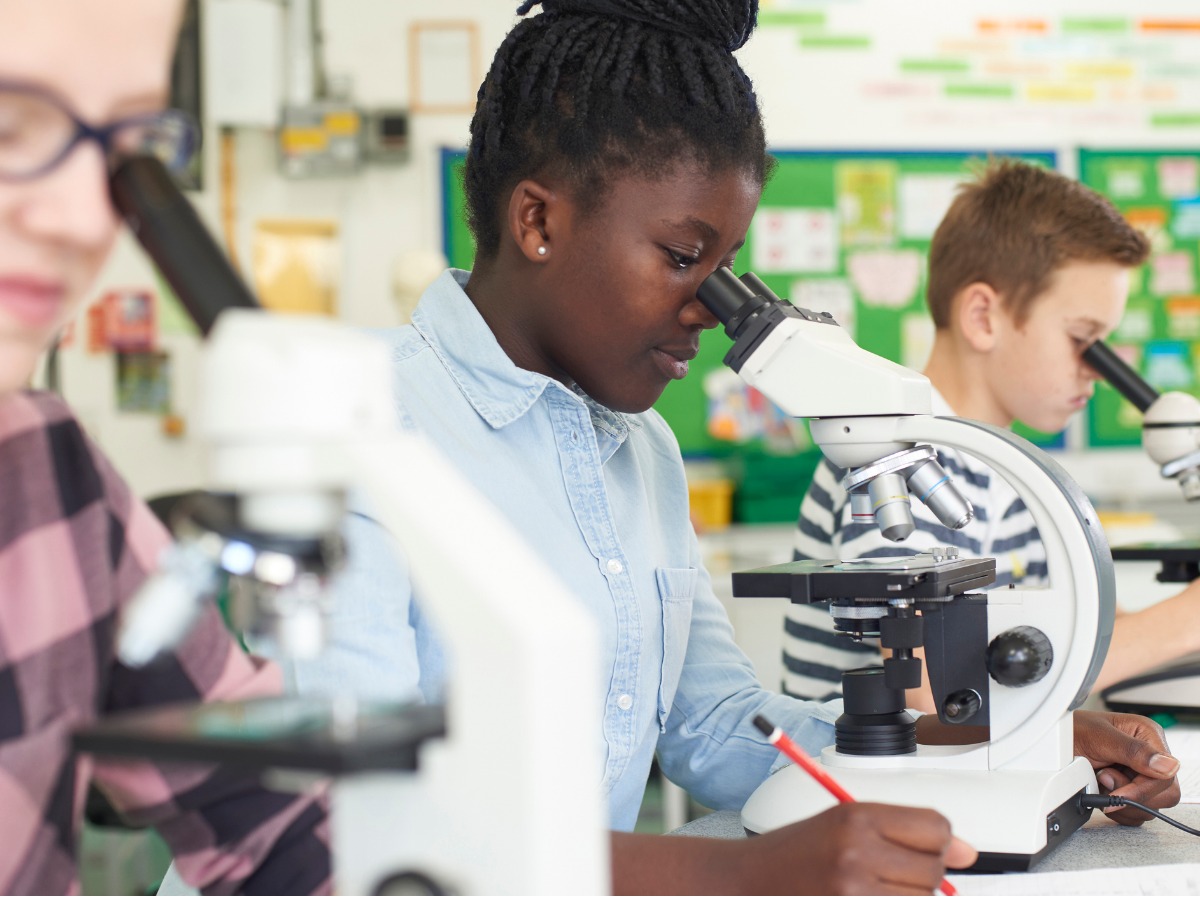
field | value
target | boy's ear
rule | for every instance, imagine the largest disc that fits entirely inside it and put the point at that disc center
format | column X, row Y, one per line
column 979, row 306
column 533, row 211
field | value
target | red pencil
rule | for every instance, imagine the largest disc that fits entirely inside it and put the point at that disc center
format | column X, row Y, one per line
column 793, row 752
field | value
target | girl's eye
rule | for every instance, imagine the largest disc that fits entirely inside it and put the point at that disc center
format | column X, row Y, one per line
column 680, row 260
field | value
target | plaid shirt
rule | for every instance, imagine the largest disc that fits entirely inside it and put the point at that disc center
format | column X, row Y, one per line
column 74, row 546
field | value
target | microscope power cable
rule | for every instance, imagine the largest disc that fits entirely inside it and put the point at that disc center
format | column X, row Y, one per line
column 1100, row 801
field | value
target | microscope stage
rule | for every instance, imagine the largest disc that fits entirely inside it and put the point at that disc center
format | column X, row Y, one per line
column 1180, row 559
column 309, row 734
column 911, row 577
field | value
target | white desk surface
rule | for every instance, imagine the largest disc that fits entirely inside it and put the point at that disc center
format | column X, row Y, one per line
column 1100, row 844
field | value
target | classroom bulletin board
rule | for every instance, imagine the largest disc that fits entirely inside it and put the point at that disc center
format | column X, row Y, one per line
column 1159, row 192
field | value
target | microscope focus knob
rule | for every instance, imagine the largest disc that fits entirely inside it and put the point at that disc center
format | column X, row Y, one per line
column 1020, row 656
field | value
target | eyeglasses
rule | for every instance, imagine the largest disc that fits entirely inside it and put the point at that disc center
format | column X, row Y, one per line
column 38, row 132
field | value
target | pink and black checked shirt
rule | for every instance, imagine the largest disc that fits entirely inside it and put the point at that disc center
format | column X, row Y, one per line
column 74, row 546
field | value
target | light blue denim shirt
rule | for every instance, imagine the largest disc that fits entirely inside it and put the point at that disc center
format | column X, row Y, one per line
column 603, row 497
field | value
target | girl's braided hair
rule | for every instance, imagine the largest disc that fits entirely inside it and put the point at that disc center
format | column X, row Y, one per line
column 592, row 88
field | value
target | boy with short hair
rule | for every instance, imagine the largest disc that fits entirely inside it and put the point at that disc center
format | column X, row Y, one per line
column 1026, row 270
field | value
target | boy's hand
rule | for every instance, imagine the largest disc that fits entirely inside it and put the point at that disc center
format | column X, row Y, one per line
column 855, row 848
column 1131, row 759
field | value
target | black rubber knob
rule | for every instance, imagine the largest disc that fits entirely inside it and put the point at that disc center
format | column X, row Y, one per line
column 902, row 673
column 1020, row 656
column 961, row 705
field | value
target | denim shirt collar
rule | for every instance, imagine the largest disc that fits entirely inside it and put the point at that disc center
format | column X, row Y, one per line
column 499, row 390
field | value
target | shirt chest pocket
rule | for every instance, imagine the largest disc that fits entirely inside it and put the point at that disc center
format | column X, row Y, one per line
column 676, row 588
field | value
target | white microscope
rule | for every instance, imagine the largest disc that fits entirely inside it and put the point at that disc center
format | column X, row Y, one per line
column 1170, row 437
column 1017, row 661
column 499, row 793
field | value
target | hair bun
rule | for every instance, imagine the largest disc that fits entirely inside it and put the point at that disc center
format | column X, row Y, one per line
column 726, row 23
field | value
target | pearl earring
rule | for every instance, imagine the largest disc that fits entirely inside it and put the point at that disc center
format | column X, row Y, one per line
column 541, row 251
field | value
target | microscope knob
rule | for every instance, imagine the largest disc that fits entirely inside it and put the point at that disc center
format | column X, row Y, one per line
column 1019, row 656
column 903, row 673
column 960, row 706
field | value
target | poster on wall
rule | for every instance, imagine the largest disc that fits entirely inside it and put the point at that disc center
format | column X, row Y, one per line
column 124, row 320
column 144, row 383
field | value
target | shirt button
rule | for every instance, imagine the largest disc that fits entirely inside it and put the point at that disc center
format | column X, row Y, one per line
column 624, row 701
column 614, row 567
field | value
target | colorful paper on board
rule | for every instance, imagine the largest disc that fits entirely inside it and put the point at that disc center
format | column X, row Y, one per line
column 1179, row 177
column 924, row 200
column 795, row 240
column 1185, row 223
column 866, row 199
column 831, row 295
column 1171, row 273
column 887, row 278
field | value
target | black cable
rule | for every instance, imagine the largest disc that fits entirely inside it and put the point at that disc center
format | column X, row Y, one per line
column 1101, row 801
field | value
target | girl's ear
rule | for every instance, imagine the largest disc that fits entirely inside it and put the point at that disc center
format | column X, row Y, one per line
column 533, row 219
column 977, row 307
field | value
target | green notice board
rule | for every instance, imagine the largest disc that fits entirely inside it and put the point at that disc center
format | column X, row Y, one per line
column 1159, row 192
column 456, row 236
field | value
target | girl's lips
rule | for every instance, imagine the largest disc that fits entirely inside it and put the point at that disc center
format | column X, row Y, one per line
column 670, row 366
column 31, row 301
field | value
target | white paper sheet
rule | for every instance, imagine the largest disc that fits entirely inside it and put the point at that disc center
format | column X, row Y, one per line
column 1184, row 741
column 1135, row 881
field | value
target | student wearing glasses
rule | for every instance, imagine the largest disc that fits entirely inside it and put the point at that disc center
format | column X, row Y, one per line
column 81, row 83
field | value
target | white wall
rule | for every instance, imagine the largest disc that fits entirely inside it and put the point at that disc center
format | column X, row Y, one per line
column 811, row 98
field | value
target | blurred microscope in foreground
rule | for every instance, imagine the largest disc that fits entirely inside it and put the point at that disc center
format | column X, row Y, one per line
column 1171, row 438
column 1015, row 661
column 469, row 798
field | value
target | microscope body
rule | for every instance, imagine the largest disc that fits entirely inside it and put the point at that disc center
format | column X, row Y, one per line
column 1011, row 796
column 297, row 411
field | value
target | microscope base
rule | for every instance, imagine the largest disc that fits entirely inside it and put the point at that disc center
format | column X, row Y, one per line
column 1013, row 818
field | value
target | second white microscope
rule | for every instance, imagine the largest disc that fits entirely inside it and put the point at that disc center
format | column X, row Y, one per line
column 1016, row 661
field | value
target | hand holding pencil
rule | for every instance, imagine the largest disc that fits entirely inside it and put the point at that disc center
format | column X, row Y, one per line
column 879, row 848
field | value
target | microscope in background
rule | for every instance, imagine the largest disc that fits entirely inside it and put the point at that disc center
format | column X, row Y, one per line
column 469, row 798
column 1170, row 437
column 1015, row 661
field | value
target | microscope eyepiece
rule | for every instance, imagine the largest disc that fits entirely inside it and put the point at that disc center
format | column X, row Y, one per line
column 1120, row 375
column 726, row 295
column 167, row 226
